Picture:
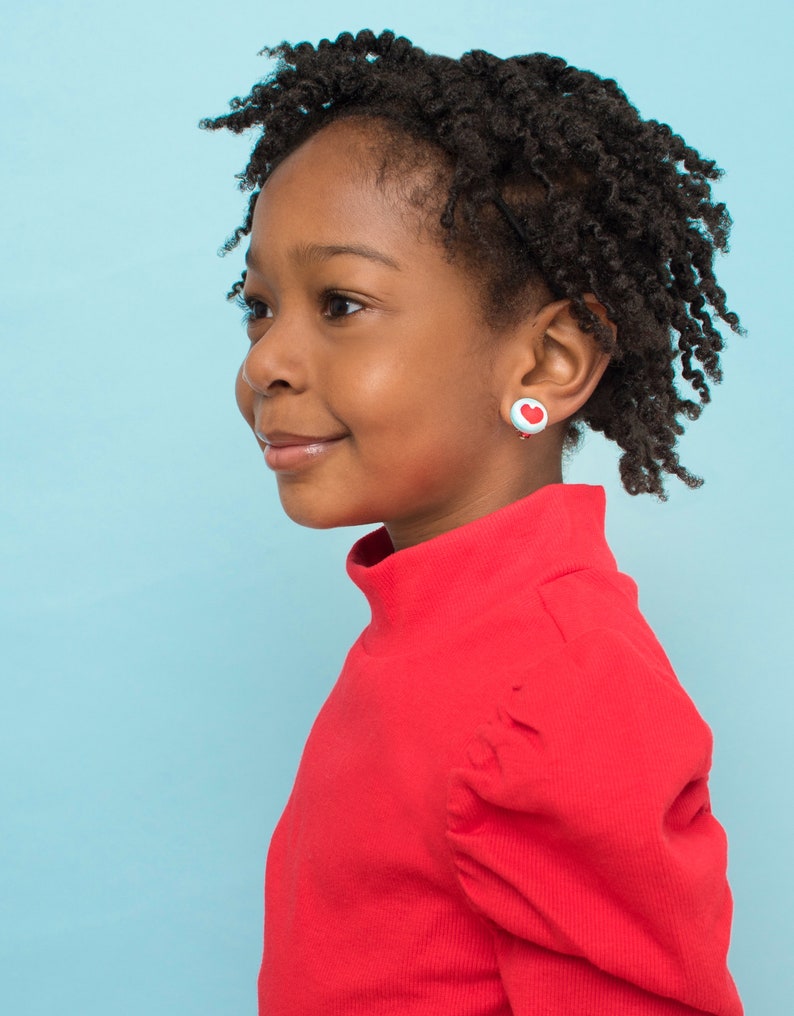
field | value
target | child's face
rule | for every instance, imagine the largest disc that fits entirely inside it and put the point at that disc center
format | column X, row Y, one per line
column 372, row 383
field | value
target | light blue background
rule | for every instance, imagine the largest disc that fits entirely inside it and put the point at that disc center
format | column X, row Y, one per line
column 167, row 636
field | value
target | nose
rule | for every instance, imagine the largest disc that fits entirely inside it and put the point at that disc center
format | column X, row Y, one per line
column 276, row 361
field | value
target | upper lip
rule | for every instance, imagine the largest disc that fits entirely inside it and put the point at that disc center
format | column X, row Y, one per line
column 283, row 438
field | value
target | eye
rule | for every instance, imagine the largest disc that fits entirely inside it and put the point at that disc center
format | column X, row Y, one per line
column 255, row 310
column 258, row 309
column 337, row 305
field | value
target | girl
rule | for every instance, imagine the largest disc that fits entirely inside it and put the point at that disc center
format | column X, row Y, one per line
column 503, row 805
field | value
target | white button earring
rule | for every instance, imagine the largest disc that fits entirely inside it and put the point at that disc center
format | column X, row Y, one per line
column 529, row 417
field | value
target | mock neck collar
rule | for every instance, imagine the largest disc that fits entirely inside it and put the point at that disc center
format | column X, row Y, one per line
column 424, row 593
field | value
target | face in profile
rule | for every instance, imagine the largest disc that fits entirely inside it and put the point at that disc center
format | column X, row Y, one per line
column 370, row 382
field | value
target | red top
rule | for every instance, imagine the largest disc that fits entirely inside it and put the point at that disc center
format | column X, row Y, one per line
column 502, row 807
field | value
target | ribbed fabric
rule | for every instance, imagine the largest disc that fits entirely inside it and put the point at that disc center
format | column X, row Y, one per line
column 502, row 807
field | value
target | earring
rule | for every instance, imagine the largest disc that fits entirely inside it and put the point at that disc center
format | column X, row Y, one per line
column 529, row 417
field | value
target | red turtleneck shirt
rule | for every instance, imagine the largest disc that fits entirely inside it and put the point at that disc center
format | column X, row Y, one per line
column 502, row 807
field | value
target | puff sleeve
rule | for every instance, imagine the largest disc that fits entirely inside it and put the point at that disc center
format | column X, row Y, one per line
column 581, row 831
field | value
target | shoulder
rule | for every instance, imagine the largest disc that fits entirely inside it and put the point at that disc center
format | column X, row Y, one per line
column 598, row 599
column 598, row 721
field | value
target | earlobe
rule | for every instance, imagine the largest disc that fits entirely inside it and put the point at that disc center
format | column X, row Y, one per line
column 529, row 417
column 561, row 364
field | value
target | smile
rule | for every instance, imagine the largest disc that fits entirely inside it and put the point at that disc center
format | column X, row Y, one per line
column 290, row 452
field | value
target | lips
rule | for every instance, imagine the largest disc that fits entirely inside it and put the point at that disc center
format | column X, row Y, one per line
column 287, row 452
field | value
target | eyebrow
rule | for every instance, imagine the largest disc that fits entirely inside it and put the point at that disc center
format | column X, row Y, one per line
column 315, row 252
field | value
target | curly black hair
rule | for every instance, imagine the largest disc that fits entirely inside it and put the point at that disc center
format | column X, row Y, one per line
column 551, row 179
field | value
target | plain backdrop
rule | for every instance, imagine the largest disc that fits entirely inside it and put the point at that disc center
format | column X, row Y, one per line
column 167, row 636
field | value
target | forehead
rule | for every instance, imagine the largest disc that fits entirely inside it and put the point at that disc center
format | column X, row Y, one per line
column 353, row 176
column 375, row 149
column 337, row 165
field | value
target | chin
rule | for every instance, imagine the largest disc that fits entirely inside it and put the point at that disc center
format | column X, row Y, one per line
column 316, row 516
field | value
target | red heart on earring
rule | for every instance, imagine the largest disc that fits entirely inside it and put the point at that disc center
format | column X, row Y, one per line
column 532, row 414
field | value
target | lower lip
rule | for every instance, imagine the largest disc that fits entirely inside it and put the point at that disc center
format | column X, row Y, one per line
column 287, row 458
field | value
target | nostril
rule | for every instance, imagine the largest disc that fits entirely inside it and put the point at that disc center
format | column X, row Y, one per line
column 262, row 386
column 270, row 369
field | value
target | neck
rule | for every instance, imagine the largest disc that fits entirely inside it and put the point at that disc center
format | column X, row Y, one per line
column 409, row 531
column 424, row 593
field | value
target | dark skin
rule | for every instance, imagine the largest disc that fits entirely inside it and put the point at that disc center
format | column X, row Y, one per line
column 375, row 384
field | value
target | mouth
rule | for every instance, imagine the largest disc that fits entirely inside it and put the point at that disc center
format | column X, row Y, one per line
column 286, row 452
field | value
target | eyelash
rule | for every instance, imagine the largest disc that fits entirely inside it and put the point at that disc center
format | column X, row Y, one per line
column 247, row 304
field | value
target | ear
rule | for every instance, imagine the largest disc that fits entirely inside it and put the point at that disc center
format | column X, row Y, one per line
column 555, row 361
